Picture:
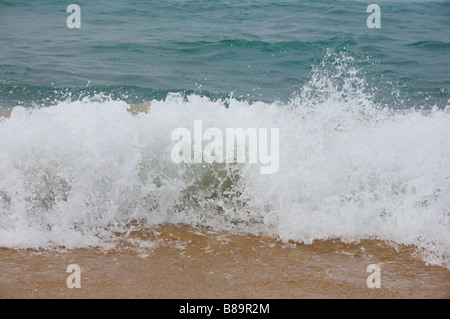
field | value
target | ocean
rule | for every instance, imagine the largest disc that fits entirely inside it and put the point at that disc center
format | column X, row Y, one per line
column 362, row 113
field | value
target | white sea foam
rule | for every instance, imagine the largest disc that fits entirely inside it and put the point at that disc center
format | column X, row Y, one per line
column 72, row 173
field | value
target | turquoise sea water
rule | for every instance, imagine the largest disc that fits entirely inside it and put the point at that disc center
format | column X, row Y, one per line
column 363, row 119
column 255, row 50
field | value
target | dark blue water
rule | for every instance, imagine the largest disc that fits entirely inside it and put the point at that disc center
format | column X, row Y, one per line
column 255, row 50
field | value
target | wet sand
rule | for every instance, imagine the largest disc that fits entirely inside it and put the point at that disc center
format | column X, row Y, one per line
column 5, row 113
column 182, row 262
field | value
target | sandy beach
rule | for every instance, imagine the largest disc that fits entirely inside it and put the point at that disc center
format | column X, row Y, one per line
column 197, row 263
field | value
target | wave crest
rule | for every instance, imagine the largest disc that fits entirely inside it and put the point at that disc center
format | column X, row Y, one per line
column 72, row 173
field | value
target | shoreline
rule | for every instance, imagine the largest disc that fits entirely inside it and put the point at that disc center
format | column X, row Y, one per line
column 190, row 263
